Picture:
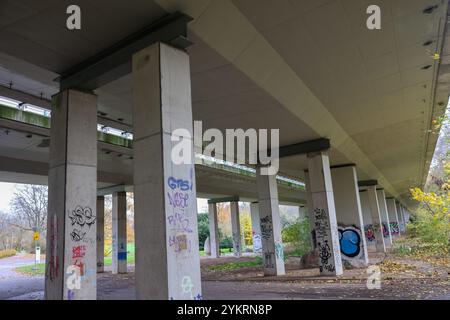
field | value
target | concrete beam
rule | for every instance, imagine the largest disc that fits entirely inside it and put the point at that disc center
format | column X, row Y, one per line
column 225, row 199
column 305, row 147
column 115, row 62
column 367, row 183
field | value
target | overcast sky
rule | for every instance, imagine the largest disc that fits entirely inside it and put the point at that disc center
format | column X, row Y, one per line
column 7, row 190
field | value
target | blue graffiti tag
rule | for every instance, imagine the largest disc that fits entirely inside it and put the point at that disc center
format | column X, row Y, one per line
column 350, row 242
column 183, row 185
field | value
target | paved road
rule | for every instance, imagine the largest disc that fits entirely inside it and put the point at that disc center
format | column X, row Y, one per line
column 13, row 284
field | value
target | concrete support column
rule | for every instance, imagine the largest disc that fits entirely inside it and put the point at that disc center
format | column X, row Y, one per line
column 236, row 228
column 71, row 272
column 384, row 217
column 367, row 220
column 213, row 230
column 256, row 227
column 324, row 214
column 310, row 211
column 377, row 225
column 167, row 255
column 269, row 216
column 352, row 239
column 100, row 234
column 400, row 217
column 393, row 218
column 119, row 233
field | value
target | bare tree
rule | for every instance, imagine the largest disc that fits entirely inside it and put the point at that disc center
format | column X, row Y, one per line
column 29, row 205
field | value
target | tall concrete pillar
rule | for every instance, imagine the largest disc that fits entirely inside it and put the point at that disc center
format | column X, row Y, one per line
column 384, row 217
column 324, row 214
column 400, row 217
column 236, row 228
column 119, row 233
column 352, row 239
column 256, row 227
column 213, row 230
column 71, row 272
column 393, row 218
column 100, row 234
column 369, row 234
column 302, row 213
column 269, row 216
column 166, row 233
column 310, row 211
column 377, row 222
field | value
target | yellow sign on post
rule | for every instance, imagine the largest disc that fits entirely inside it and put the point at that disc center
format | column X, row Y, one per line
column 36, row 236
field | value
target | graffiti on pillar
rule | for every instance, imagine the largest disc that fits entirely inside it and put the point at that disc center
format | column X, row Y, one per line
column 257, row 245
column 266, row 227
column 77, row 235
column 180, row 243
column 179, row 222
column 82, row 216
column 279, row 250
column 321, row 224
column 183, row 185
column 322, row 230
column 369, row 232
column 78, row 254
column 237, row 242
column 325, row 254
column 269, row 260
column 350, row 242
column 53, row 266
column 394, row 228
column 385, row 229
column 187, row 286
column 179, row 198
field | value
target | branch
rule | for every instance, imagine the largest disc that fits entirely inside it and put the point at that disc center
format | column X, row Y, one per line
column 18, row 226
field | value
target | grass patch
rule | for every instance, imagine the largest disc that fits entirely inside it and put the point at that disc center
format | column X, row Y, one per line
column 255, row 262
column 31, row 271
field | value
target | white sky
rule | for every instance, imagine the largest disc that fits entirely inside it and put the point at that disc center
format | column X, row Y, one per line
column 7, row 190
column 6, row 193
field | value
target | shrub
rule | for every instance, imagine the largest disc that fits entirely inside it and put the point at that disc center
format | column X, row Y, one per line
column 298, row 235
column 226, row 242
column 7, row 253
column 203, row 229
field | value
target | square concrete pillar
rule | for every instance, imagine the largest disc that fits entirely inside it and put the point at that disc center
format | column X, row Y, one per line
column 236, row 228
column 349, row 217
column 269, row 216
column 384, row 217
column 302, row 214
column 367, row 220
column 100, row 234
column 393, row 219
column 400, row 217
column 213, row 230
column 256, row 227
column 310, row 211
column 71, row 262
column 166, row 233
column 377, row 222
column 119, row 232
column 324, row 214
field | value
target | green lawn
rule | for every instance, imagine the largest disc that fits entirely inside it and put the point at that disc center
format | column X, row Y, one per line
column 29, row 270
column 255, row 262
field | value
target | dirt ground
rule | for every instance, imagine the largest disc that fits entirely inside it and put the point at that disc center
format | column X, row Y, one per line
column 400, row 279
